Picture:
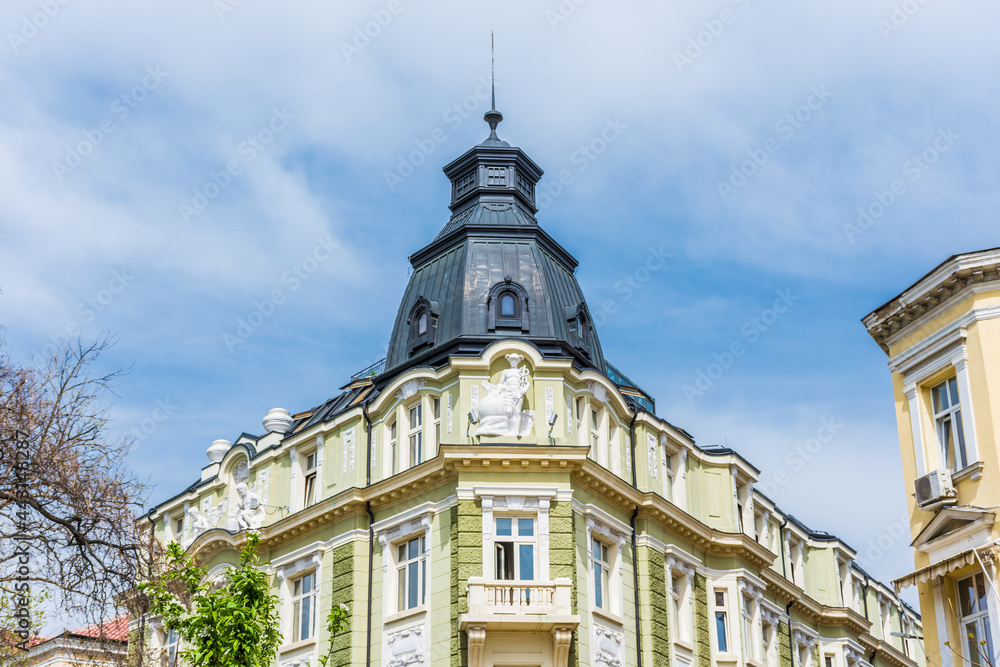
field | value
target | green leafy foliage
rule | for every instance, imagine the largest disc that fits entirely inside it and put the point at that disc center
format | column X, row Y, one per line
column 336, row 622
column 234, row 624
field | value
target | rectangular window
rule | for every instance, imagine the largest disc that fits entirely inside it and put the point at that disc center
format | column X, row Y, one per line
column 766, row 633
column 680, row 593
column 975, row 619
column 948, row 425
column 668, row 470
column 172, row 645
column 411, row 573
column 393, row 454
column 749, row 636
column 828, row 661
column 304, row 607
column 436, row 412
column 179, row 526
column 595, row 434
column 515, row 548
column 416, row 434
column 579, row 414
column 602, row 574
column 310, row 490
column 496, row 176
column 721, row 623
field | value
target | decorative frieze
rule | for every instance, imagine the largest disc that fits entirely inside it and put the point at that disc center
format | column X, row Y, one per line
column 406, row 647
column 607, row 646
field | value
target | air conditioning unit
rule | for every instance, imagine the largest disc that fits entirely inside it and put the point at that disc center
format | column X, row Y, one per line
column 934, row 488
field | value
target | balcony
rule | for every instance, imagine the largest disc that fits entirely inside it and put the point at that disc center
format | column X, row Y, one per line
column 520, row 605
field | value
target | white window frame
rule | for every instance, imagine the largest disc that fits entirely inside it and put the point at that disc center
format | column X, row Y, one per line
column 287, row 571
column 310, row 474
column 390, row 532
column 682, row 605
column 516, row 539
column 949, row 426
column 595, row 432
column 435, row 405
column 803, row 639
column 392, row 446
column 721, row 608
column 917, row 367
column 415, row 434
column 769, row 618
column 524, row 500
column 171, row 649
column 401, row 565
column 297, row 599
column 982, row 618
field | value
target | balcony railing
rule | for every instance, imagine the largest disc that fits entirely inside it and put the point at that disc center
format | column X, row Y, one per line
column 519, row 597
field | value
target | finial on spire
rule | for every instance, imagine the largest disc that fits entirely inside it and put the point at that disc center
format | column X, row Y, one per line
column 493, row 117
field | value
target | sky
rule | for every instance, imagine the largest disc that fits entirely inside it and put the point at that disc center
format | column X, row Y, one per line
column 231, row 189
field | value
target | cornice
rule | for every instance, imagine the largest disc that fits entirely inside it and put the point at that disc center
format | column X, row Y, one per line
column 952, row 281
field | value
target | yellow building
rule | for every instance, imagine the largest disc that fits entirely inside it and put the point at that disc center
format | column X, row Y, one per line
column 942, row 336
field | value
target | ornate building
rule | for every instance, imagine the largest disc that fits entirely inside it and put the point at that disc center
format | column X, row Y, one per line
column 496, row 493
column 942, row 336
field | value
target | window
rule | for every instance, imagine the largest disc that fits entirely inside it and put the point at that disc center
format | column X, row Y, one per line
column 496, row 176
column 393, row 454
column 423, row 325
column 310, row 475
column 602, row 574
column 515, row 548
column 750, row 648
column 172, row 646
column 436, row 414
column 179, row 526
column 721, row 624
column 828, row 661
column 578, row 323
column 948, row 425
column 411, row 573
column 680, row 596
column 579, row 414
column 613, row 452
column 416, row 434
column 595, row 433
column 668, row 469
column 304, row 607
column 766, row 637
column 858, row 596
column 507, row 307
column 974, row 619
column 464, row 184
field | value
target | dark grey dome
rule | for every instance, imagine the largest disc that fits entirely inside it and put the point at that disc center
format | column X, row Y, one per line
column 492, row 272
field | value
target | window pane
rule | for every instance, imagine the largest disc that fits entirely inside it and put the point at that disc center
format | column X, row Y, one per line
column 966, row 596
column 413, row 589
column 436, row 404
column 297, row 587
column 423, row 581
column 604, row 580
column 307, row 583
column 989, row 636
column 720, row 631
column 960, row 437
column 525, row 527
column 594, row 417
column 720, row 598
column 953, row 390
column 507, row 306
column 972, row 637
column 296, row 624
column 505, row 560
column 306, row 617
column 604, row 552
column 526, row 556
column 414, row 548
column 598, row 591
column 422, row 323
column 940, row 398
column 981, row 592
column 401, row 554
column 401, row 589
column 504, row 526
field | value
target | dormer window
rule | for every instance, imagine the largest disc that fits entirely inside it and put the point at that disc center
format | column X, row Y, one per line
column 423, row 325
column 507, row 307
column 580, row 329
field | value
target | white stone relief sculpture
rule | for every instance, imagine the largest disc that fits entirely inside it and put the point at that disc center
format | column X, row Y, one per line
column 409, row 389
column 250, row 513
column 474, row 401
column 349, row 449
column 374, row 447
column 449, row 412
column 599, row 392
column 569, row 414
column 242, row 472
column 549, row 404
column 500, row 411
column 298, row 662
column 406, row 647
column 651, row 441
column 607, row 646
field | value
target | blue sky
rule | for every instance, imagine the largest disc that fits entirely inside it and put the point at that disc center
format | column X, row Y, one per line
column 728, row 144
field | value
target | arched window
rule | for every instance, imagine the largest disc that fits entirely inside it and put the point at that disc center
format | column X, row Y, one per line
column 507, row 308
column 423, row 325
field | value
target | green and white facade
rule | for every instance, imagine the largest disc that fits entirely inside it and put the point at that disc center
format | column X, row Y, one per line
column 497, row 494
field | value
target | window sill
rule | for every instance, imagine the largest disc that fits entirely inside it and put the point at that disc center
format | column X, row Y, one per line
column 727, row 658
column 684, row 645
column 755, row 663
column 400, row 615
column 294, row 646
column 973, row 472
column 608, row 616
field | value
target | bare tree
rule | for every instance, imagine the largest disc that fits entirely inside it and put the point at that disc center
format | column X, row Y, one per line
column 68, row 502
